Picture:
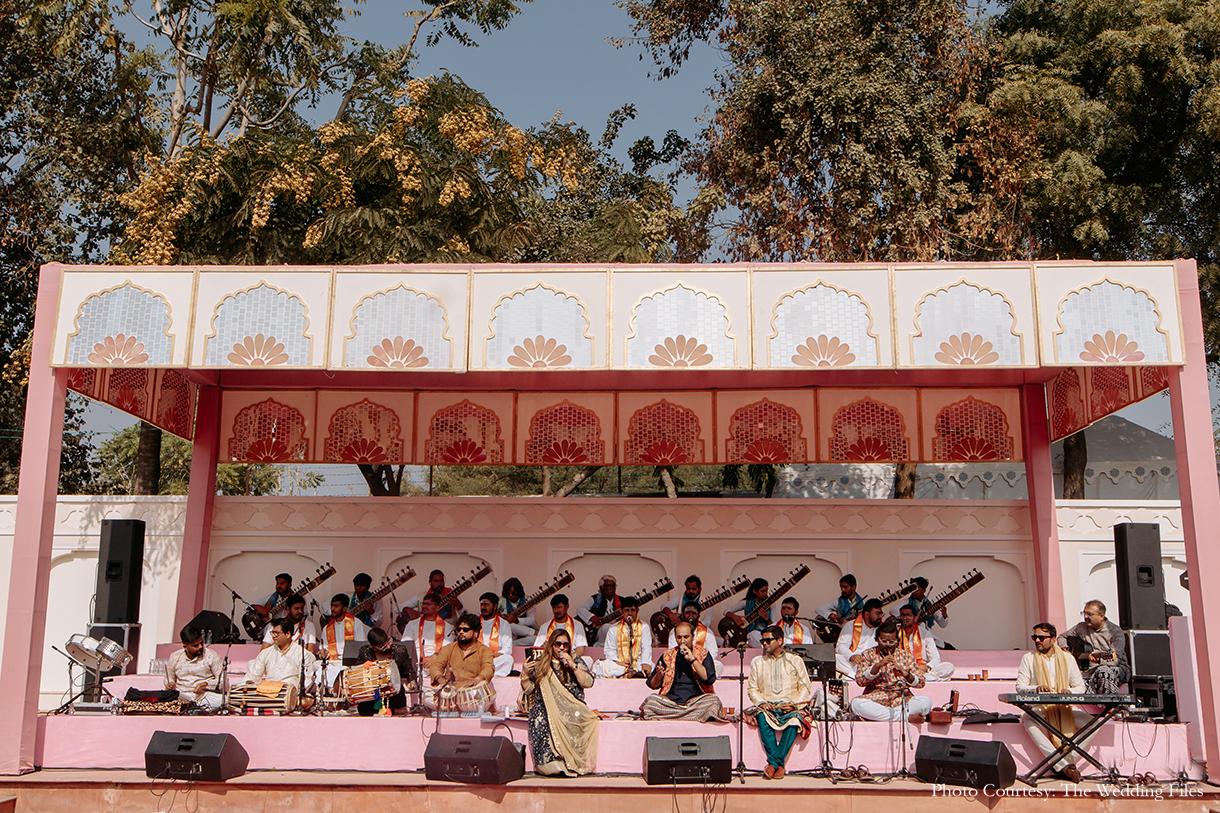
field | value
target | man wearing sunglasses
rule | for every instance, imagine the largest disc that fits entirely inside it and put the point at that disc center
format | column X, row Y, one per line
column 1051, row 669
column 779, row 689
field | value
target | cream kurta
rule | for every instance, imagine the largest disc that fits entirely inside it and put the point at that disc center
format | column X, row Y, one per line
column 782, row 680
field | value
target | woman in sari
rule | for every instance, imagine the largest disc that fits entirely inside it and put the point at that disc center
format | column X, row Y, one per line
column 563, row 730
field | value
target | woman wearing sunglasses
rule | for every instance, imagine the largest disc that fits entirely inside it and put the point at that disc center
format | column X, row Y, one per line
column 562, row 729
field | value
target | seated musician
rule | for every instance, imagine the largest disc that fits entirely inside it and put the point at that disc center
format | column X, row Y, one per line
column 1102, row 643
column 496, row 633
column 888, row 672
column 196, row 671
column 703, row 636
column 737, row 613
column 605, row 600
column 675, row 609
column 919, row 601
column 466, row 661
column 428, row 634
column 858, row 637
column 683, row 680
column 342, row 627
column 1051, row 669
column 848, row 602
column 795, row 630
column 779, row 689
column 523, row 626
column 628, row 650
column 436, row 587
column 375, row 614
column 381, row 648
column 304, row 629
column 561, row 619
column 283, row 589
column 911, row 637
column 283, row 660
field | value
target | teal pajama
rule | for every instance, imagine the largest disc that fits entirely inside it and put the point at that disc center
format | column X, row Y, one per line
column 776, row 746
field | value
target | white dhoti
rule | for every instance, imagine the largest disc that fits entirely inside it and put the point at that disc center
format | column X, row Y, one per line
column 870, row 710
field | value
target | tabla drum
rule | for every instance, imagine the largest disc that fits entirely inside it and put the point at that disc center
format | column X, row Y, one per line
column 444, row 699
column 476, row 699
column 361, row 682
column 247, row 696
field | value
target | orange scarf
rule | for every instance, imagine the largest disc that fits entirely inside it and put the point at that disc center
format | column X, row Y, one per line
column 630, row 644
column 701, row 636
column 798, row 632
column 914, row 644
column 669, row 667
column 349, row 633
column 440, row 637
column 857, row 630
column 494, row 640
column 569, row 625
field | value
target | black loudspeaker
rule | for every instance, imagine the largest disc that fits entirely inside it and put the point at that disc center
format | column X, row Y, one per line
column 218, row 626
column 1141, row 581
column 120, row 566
column 687, row 761
column 972, row 763
column 476, row 760
column 1150, row 652
column 196, row 757
column 1155, row 695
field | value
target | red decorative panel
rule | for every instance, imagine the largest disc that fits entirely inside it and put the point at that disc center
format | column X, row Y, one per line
column 175, row 410
column 1066, row 404
column 128, row 389
column 464, row 434
column 364, row 433
column 268, row 432
column 1153, row 380
column 565, row 435
column 86, row 381
column 972, row 430
column 1109, row 391
column 663, row 434
column 765, row 432
column 868, row 431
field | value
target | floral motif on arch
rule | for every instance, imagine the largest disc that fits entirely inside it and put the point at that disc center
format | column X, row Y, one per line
column 1153, row 380
column 1066, row 397
column 110, row 324
column 822, row 326
column 868, row 431
column 701, row 321
column 663, row 434
column 268, row 432
column 971, row 430
column 239, row 322
column 84, row 380
column 399, row 328
column 1089, row 317
column 176, row 404
column 1109, row 391
column 965, row 324
column 518, row 322
column 765, row 432
column 464, row 434
column 364, row 432
column 565, row 435
column 397, row 354
column 128, row 388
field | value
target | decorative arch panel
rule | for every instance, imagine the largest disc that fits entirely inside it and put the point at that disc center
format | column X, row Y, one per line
column 130, row 389
column 680, row 328
column 869, row 430
column 1110, row 324
column 565, row 434
column 663, row 434
column 765, row 432
column 464, row 433
column 822, row 326
column 539, row 328
column 123, row 326
column 268, row 431
column 965, row 325
column 399, row 329
column 1065, row 395
column 262, row 326
column 972, row 430
column 174, row 406
column 1107, row 390
column 364, row 432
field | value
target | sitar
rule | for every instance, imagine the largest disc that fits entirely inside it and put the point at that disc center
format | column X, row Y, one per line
column 659, row 587
column 405, row 575
column 735, row 635
column 255, row 622
column 547, row 590
column 459, row 587
column 971, row 578
column 661, row 624
column 829, row 630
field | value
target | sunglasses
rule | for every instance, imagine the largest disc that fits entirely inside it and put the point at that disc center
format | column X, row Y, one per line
column 1039, row 637
column 464, row 629
column 769, row 640
column 563, row 645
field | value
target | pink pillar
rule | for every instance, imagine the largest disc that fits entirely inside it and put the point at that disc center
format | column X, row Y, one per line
column 197, row 535
column 1043, row 523
column 1195, row 445
column 33, row 534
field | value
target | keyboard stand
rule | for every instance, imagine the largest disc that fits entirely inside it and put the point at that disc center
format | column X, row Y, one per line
column 1067, row 744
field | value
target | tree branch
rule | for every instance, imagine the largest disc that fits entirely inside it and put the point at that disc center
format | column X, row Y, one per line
column 578, row 478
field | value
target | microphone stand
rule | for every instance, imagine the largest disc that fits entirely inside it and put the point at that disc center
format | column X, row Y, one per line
column 902, row 741
column 741, row 714
column 233, row 614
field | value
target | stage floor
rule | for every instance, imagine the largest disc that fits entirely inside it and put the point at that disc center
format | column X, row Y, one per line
column 53, row 791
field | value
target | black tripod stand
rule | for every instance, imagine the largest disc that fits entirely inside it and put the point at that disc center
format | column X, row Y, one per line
column 741, row 714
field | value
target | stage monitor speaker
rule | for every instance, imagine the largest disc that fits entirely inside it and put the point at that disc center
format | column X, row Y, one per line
column 1150, row 652
column 195, row 757
column 216, row 628
column 120, row 566
column 687, row 761
column 1141, row 581
column 972, row 763
column 475, row 760
column 1155, row 695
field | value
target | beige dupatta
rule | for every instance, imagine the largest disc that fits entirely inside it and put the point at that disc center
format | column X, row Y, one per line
column 1060, row 715
column 574, row 729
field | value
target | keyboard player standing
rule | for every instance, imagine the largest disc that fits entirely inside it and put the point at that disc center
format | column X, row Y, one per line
column 1052, row 669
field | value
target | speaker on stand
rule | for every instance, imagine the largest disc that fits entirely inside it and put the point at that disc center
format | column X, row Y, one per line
column 116, row 612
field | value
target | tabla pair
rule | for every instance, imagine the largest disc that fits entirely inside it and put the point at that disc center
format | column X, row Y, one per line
column 475, row 699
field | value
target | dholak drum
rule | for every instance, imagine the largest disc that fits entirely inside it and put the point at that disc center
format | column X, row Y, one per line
column 361, row 682
column 476, row 699
column 247, row 696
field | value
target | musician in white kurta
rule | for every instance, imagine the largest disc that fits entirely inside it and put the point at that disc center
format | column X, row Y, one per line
column 282, row 661
column 628, row 651
column 795, row 630
column 428, row 633
column 858, row 637
column 496, row 633
column 703, row 636
column 913, row 638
